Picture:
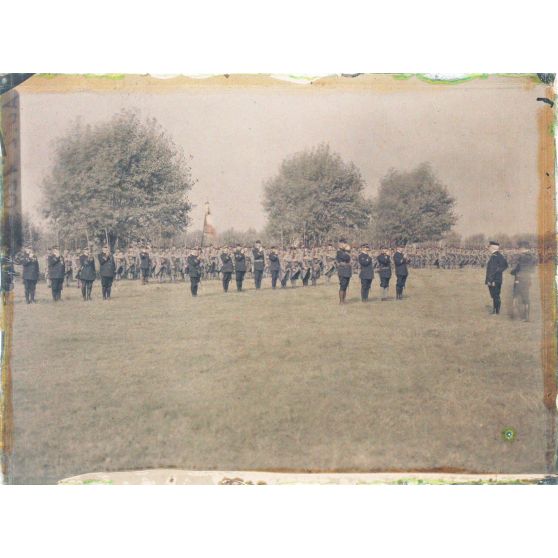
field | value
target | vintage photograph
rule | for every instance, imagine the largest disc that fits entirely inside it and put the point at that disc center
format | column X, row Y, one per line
column 236, row 276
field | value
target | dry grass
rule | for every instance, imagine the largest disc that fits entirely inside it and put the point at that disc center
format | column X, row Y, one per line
column 281, row 379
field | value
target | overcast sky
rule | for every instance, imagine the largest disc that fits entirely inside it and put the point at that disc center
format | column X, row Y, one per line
column 480, row 137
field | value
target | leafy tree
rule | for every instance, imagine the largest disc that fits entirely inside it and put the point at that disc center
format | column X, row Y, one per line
column 122, row 178
column 413, row 207
column 314, row 196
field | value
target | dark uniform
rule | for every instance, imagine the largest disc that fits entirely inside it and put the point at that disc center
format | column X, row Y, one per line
column 56, row 272
column 259, row 266
column 87, row 274
column 239, row 268
column 384, row 271
column 494, row 268
column 522, row 272
column 274, row 267
column 344, row 272
column 401, row 272
column 145, row 266
column 30, row 275
column 195, row 273
column 107, row 270
column 227, row 269
column 306, row 269
column 366, row 275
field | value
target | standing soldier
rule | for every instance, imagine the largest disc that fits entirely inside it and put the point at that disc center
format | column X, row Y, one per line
column 145, row 265
column 274, row 266
column 344, row 269
column 316, row 268
column 522, row 272
column 400, row 262
column 329, row 262
column 56, row 272
column 306, row 261
column 107, row 270
column 87, row 273
column 259, row 263
column 69, row 267
column 494, row 268
column 239, row 266
column 194, row 270
column 227, row 268
column 366, row 272
column 384, row 271
column 30, row 274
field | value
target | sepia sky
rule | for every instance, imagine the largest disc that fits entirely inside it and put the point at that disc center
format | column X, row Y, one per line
column 480, row 137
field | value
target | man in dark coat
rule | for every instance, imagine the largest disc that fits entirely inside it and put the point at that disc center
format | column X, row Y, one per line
column 496, row 265
column 87, row 273
column 227, row 268
column 107, row 270
column 259, row 263
column 239, row 266
column 384, row 271
column 30, row 274
column 56, row 273
column 145, row 265
column 400, row 262
column 194, row 270
column 366, row 272
column 274, row 266
column 522, row 272
column 344, row 269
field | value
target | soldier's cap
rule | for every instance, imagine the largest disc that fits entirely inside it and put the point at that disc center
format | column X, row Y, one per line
column 258, row 241
column 274, row 247
column 364, row 246
column 493, row 243
column 342, row 241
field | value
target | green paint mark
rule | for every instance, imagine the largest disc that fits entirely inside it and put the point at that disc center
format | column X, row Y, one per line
column 429, row 78
column 509, row 435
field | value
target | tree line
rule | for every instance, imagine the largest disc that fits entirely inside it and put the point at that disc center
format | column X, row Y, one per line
column 124, row 180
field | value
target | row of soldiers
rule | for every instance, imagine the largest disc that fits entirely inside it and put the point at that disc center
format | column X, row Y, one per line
column 57, row 272
column 171, row 265
column 282, row 266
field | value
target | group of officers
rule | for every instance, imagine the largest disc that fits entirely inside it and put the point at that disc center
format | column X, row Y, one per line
column 59, row 270
column 282, row 266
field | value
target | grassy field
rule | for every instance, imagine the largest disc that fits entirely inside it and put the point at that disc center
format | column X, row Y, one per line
column 283, row 379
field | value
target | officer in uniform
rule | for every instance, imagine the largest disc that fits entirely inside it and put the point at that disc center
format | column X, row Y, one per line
column 274, row 266
column 56, row 272
column 496, row 265
column 194, row 270
column 366, row 272
column 87, row 273
column 259, row 263
column 227, row 268
column 30, row 274
column 145, row 265
column 522, row 272
column 239, row 266
column 107, row 270
column 400, row 262
column 384, row 271
column 344, row 269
